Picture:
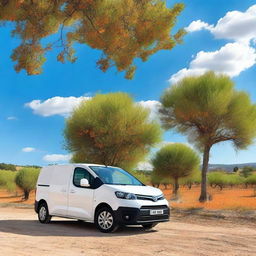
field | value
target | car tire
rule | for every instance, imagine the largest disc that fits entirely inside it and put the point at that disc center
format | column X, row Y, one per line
column 149, row 226
column 43, row 214
column 105, row 220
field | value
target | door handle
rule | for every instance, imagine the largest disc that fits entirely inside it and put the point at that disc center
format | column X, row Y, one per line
column 72, row 191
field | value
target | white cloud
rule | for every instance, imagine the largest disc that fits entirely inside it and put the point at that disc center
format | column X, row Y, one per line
column 56, row 158
column 11, row 118
column 28, row 149
column 153, row 106
column 197, row 25
column 231, row 59
column 65, row 105
column 235, row 25
column 56, row 105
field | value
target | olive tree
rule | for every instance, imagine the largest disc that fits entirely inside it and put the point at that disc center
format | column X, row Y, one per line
column 111, row 129
column 122, row 30
column 26, row 179
column 175, row 161
column 209, row 110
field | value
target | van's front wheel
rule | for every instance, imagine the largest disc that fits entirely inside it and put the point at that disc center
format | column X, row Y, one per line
column 105, row 220
column 43, row 214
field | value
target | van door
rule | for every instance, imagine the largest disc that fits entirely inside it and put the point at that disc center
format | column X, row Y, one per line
column 58, row 196
column 80, row 201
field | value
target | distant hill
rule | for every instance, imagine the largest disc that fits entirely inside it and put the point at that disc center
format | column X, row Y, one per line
column 145, row 166
column 230, row 167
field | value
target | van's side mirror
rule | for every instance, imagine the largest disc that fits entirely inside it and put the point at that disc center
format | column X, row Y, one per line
column 84, row 183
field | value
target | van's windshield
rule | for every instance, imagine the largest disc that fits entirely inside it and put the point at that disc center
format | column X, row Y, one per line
column 115, row 176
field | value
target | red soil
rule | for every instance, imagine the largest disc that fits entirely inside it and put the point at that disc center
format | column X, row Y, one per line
column 228, row 198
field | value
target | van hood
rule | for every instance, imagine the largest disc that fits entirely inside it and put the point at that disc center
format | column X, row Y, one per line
column 139, row 190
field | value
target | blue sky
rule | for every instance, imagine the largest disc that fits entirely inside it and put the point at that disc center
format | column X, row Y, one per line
column 31, row 131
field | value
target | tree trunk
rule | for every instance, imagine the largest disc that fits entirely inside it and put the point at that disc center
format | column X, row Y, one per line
column 203, row 196
column 189, row 185
column 26, row 195
column 175, row 187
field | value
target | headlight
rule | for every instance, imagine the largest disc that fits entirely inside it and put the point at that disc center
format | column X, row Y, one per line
column 123, row 195
column 162, row 197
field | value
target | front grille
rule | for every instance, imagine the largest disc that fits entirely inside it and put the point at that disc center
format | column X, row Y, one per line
column 149, row 207
column 152, row 218
column 150, row 198
column 145, row 216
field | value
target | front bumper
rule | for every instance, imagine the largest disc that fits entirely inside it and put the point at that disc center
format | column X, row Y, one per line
column 139, row 216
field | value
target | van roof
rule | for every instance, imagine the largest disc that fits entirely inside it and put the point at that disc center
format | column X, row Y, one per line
column 77, row 164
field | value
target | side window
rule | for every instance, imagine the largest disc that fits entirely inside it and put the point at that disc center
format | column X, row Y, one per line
column 81, row 173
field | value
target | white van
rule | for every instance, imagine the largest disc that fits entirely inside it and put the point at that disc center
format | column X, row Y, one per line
column 105, row 195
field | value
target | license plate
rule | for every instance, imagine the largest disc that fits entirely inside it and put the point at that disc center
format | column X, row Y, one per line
column 156, row 212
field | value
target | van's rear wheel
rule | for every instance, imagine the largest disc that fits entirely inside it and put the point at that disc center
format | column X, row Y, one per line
column 43, row 214
column 105, row 220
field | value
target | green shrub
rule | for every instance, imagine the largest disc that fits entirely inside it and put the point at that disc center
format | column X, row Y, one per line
column 8, row 167
column 234, row 179
column 217, row 178
column 26, row 179
column 7, row 180
column 247, row 171
column 155, row 179
column 194, row 178
column 251, row 180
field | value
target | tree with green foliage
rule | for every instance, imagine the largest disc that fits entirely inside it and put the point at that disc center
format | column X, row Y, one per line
column 193, row 179
column 7, row 180
column 247, row 171
column 251, row 180
column 155, row 179
column 209, row 110
column 26, row 179
column 122, row 29
column 235, row 169
column 9, row 167
column 111, row 129
column 175, row 161
column 217, row 179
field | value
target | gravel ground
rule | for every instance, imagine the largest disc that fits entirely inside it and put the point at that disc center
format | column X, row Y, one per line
column 21, row 234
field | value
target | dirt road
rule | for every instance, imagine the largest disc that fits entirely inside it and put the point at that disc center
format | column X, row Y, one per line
column 21, row 234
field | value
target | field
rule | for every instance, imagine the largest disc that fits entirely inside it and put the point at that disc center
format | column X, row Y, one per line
column 226, row 199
